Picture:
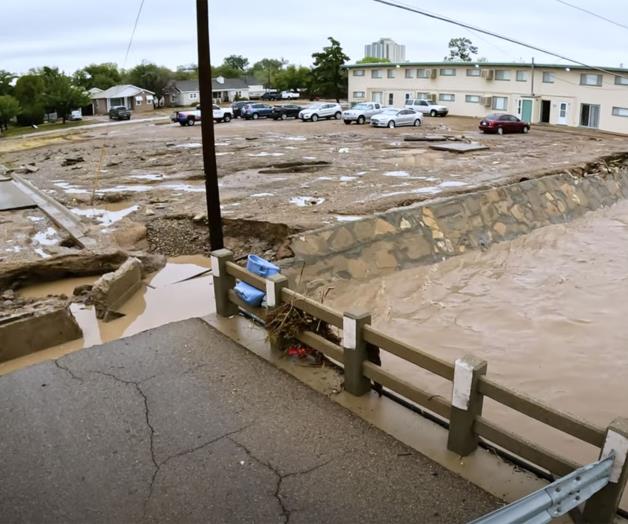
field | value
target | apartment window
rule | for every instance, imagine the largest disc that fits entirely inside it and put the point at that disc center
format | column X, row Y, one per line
column 377, row 73
column 358, row 94
column 423, row 73
column 409, row 73
column 474, row 72
column 621, row 80
column 473, row 99
column 391, row 73
column 548, row 78
column 522, row 76
column 447, row 97
column 502, row 74
column 590, row 80
column 590, row 115
column 448, row 71
column 500, row 103
column 423, row 96
column 358, row 72
column 620, row 111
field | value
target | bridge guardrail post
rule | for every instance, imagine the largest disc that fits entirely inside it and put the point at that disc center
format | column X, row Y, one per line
column 601, row 508
column 466, row 404
column 274, row 285
column 223, row 282
column 355, row 351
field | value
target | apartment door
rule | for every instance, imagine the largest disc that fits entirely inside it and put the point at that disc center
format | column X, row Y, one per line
column 391, row 99
column 526, row 110
column 377, row 97
column 546, row 107
column 590, row 115
column 563, row 113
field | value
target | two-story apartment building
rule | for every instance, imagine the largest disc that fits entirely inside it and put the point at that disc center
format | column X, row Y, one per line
column 550, row 93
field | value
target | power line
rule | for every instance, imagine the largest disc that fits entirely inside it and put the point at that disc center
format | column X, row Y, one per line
column 137, row 19
column 578, row 8
column 490, row 33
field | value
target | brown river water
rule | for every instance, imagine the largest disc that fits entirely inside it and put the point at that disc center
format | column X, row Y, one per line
column 547, row 311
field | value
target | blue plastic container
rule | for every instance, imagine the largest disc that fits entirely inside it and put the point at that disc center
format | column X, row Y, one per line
column 257, row 265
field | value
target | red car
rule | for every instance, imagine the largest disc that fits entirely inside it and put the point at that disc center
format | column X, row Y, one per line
column 500, row 124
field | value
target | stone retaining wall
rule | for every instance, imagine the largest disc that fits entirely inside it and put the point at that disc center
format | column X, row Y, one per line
column 430, row 231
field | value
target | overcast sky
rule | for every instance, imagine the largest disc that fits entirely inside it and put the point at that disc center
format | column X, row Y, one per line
column 73, row 33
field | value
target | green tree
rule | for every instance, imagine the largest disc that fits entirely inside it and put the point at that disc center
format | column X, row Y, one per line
column 6, row 82
column 266, row 69
column 292, row 78
column 186, row 72
column 236, row 62
column 29, row 91
column 61, row 96
column 328, row 75
column 103, row 76
column 373, row 60
column 460, row 50
column 151, row 77
column 9, row 109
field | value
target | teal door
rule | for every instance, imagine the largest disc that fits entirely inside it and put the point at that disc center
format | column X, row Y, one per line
column 526, row 110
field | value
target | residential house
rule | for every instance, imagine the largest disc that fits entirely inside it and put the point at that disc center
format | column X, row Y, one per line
column 132, row 97
column 186, row 92
column 538, row 93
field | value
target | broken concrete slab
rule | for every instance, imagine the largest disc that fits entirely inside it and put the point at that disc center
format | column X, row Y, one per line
column 12, row 197
column 112, row 290
column 459, row 147
column 426, row 138
column 36, row 326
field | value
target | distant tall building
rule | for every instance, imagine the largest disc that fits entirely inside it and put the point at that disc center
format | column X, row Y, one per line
column 386, row 48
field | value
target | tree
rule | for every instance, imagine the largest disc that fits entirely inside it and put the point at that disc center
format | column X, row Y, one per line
column 292, row 78
column 328, row 76
column 373, row 60
column 266, row 69
column 186, row 72
column 236, row 62
column 151, row 77
column 29, row 91
column 61, row 96
column 102, row 76
column 6, row 82
column 9, row 109
column 461, row 49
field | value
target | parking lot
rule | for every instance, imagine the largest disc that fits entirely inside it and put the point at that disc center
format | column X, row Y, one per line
column 142, row 184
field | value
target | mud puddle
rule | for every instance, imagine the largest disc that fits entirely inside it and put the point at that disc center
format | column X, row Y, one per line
column 169, row 295
column 547, row 311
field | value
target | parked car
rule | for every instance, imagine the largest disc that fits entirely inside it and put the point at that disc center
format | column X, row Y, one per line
column 237, row 106
column 285, row 111
column 503, row 123
column 290, row 95
column 271, row 95
column 119, row 113
column 189, row 118
column 426, row 107
column 255, row 111
column 361, row 112
column 314, row 112
column 396, row 117
column 75, row 115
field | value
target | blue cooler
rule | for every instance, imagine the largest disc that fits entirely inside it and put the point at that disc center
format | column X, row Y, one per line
column 258, row 266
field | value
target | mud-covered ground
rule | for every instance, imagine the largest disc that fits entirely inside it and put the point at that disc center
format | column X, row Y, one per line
column 141, row 184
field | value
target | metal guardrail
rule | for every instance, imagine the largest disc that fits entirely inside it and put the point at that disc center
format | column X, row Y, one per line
column 556, row 499
column 462, row 414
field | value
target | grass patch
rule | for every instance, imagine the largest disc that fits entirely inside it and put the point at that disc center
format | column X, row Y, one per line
column 24, row 130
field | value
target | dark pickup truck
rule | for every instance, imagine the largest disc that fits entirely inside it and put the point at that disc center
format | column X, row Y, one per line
column 119, row 113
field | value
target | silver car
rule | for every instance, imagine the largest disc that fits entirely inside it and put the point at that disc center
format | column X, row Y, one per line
column 361, row 112
column 396, row 117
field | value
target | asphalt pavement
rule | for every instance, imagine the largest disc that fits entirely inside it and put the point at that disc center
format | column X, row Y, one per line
column 180, row 424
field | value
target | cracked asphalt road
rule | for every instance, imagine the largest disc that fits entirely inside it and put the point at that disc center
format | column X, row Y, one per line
column 180, row 424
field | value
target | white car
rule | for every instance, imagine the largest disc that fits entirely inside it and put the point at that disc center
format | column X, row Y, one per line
column 396, row 117
column 189, row 118
column 426, row 107
column 361, row 112
column 320, row 110
column 290, row 95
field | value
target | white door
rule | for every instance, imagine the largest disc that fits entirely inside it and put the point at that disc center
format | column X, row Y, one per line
column 377, row 97
column 563, row 113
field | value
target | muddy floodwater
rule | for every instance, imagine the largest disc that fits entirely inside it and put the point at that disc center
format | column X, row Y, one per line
column 548, row 311
column 181, row 290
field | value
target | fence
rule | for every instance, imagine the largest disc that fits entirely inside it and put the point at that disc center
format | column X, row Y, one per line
column 468, row 374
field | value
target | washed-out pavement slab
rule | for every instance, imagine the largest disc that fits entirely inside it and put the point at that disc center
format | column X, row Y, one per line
column 180, row 424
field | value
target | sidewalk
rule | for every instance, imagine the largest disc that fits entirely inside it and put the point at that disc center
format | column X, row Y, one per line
column 180, row 424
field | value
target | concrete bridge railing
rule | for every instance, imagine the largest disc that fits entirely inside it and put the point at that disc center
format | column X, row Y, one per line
column 463, row 412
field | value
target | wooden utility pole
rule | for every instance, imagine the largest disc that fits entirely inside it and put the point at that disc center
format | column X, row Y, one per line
column 212, row 195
